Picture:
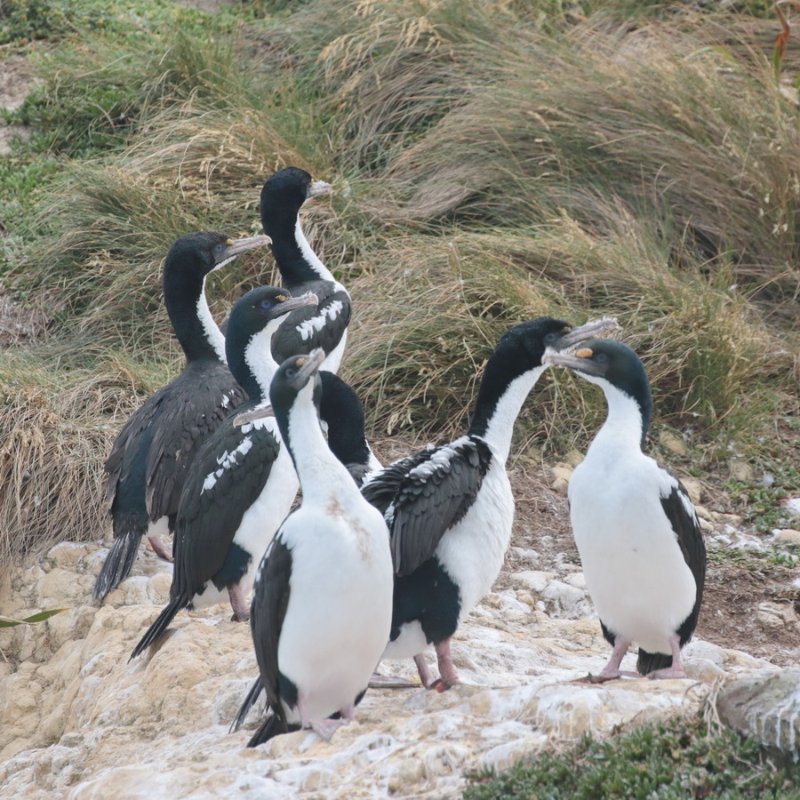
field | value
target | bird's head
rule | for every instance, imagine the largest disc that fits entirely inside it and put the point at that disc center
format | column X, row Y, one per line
column 285, row 192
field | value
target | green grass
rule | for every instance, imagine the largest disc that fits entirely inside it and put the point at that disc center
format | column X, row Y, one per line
column 673, row 761
column 760, row 505
column 491, row 162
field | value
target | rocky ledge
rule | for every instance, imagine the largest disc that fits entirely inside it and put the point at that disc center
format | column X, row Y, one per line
column 80, row 721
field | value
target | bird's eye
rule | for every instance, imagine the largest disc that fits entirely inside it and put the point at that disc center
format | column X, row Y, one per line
column 291, row 372
column 601, row 358
column 551, row 338
column 266, row 304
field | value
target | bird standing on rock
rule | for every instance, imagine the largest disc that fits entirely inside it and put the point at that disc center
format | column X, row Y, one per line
column 150, row 457
column 322, row 602
column 635, row 527
column 241, row 484
column 450, row 509
column 323, row 325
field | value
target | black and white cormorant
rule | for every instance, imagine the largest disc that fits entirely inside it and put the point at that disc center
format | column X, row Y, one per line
column 636, row 529
column 149, row 459
column 450, row 509
column 241, row 484
column 322, row 602
column 323, row 325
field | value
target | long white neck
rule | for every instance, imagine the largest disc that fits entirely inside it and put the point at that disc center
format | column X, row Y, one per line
column 310, row 256
column 321, row 474
column 258, row 355
column 500, row 427
column 622, row 430
column 210, row 328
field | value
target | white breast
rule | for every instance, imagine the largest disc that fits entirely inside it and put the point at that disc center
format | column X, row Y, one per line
column 473, row 551
column 340, row 605
column 634, row 568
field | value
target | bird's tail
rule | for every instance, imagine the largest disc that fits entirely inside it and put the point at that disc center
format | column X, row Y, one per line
column 118, row 563
column 272, row 726
column 650, row 662
column 249, row 702
column 156, row 630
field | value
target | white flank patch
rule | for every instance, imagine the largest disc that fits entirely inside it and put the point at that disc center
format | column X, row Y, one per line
column 226, row 461
column 226, row 401
column 213, row 333
column 311, row 326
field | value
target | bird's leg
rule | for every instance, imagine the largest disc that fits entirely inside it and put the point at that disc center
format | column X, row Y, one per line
column 448, row 677
column 425, row 674
column 325, row 728
column 241, row 611
column 159, row 548
column 676, row 670
column 611, row 670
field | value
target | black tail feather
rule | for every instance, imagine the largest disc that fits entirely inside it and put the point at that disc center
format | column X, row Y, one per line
column 271, row 726
column 249, row 701
column 156, row 630
column 118, row 564
column 650, row 662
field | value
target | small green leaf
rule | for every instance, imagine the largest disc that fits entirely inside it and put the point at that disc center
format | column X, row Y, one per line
column 7, row 622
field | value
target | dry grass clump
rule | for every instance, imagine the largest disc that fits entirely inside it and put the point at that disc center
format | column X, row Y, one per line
column 418, row 346
column 56, row 428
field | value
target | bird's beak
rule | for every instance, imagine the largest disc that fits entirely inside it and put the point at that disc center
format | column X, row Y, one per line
column 254, row 414
column 237, row 246
column 594, row 329
column 319, row 188
column 293, row 303
column 580, row 361
column 313, row 361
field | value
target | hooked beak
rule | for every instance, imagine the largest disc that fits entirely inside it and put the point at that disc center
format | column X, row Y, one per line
column 594, row 329
column 262, row 412
column 312, row 364
column 573, row 361
column 318, row 189
column 293, row 303
column 237, row 246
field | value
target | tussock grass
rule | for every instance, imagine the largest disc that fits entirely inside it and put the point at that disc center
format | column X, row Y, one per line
column 419, row 344
column 492, row 162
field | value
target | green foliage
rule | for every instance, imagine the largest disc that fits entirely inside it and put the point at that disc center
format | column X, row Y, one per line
column 760, row 505
column 7, row 622
column 34, row 19
column 673, row 761
column 492, row 161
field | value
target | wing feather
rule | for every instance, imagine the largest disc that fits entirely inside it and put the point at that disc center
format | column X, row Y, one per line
column 424, row 495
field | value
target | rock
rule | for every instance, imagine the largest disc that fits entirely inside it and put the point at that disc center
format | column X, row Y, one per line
column 560, row 475
column 534, row 580
column 567, row 601
column 694, row 488
column 741, row 470
column 673, row 443
column 526, row 554
column 80, row 721
column 788, row 536
column 792, row 505
column 573, row 458
column 775, row 615
column 765, row 706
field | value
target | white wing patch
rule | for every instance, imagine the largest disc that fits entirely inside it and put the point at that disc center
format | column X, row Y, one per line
column 308, row 328
column 226, row 461
column 439, row 458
